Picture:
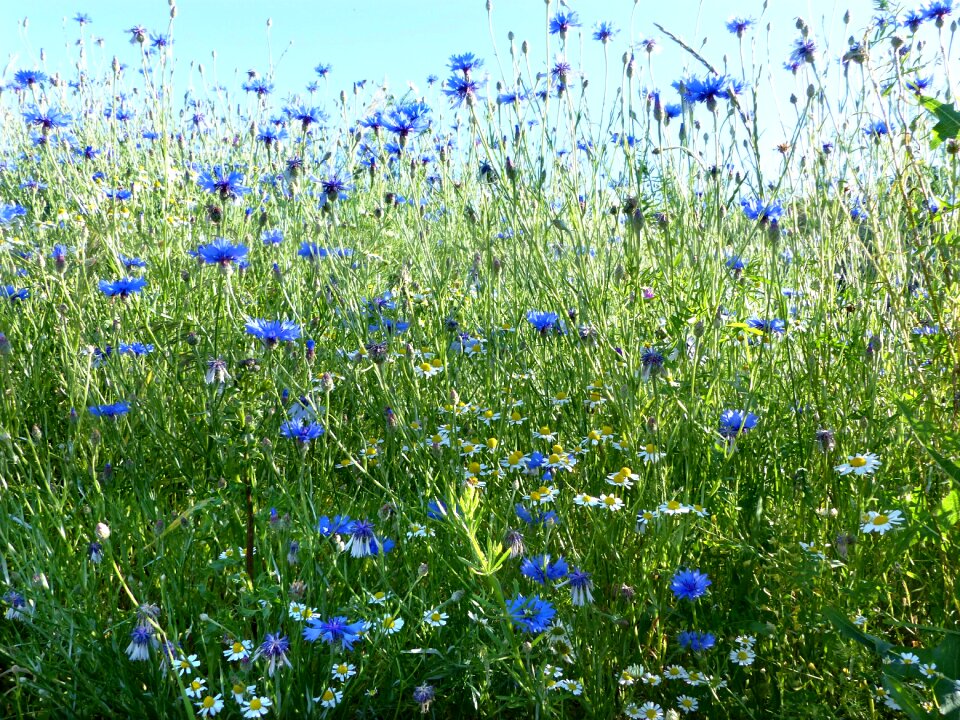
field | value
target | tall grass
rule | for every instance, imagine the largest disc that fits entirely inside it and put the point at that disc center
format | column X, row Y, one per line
column 693, row 268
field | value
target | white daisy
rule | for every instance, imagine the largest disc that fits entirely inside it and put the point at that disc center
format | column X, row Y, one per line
column 742, row 656
column 257, row 707
column 391, row 624
column 210, row 705
column 435, row 618
column 611, row 502
column 881, row 522
column 238, row 651
column 687, row 703
column 650, row 454
column 330, row 698
column 863, row 464
column 343, row 671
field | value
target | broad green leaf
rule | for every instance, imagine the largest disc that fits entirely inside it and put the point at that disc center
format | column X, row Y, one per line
column 850, row 631
column 948, row 120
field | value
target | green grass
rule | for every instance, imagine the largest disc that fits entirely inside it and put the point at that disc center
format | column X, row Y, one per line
column 641, row 262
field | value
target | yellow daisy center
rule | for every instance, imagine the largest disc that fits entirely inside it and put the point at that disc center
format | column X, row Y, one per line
column 436, row 363
column 593, row 435
column 435, row 616
column 208, row 702
column 237, row 648
column 515, row 416
column 535, row 496
column 255, row 704
column 492, row 443
column 880, row 520
column 858, row 461
column 673, row 505
column 238, row 689
column 651, row 449
column 468, row 448
column 554, row 458
column 196, row 685
column 515, row 457
column 426, row 367
column 342, row 669
column 328, row 695
column 610, row 500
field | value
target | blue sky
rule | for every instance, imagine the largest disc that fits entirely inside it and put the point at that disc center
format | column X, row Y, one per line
column 378, row 40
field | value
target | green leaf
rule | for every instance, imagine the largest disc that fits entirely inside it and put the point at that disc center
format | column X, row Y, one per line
column 948, row 120
column 850, row 631
column 904, row 699
column 950, row 509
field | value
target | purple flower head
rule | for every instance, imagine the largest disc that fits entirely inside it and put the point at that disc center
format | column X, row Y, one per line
column 362, row 539
column 274, row 648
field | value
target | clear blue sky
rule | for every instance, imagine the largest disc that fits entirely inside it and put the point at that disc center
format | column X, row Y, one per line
column 397, row 41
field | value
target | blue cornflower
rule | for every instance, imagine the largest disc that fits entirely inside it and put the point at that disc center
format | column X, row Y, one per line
column 672, row 110
column 580, row 587
column 95, row 552
column 112, row 410
column 913, row 19
column 736, row 263
column 919, row 85
column 303, row 432
column 323, row 70
column 30, row 78
column 876, row 129
column 735, row 422
column 336, row 629
column 739, row 25
column 465, row 63
column 604, row 32
column 335, row 187
column 13, row 294
column 272, row 237
column 408, row 119
column 227, row 184
column 48, row 119
column 540, row 569
column 382, row 546
column 689, row 584
column 272, row 332
column 338, row 525
column 804, row 51
column 158, row 41
column 562, row 22
column 771, row 325
column 937, row 11
column 132, row 262
column 124, row 287
column 274, row 648
column 756, row 210
column 258, row 86
column 362, row 538
column 222, row 252
column 137, row 349
column 543, row 321
column 10, row 212
column 271, row 136
column 651, row 362
column 82, row 18
column 381, row 302
column 461, row 89
column 531, row 615
column 708, row 90
column 437, row 510
column 696, row 641
column 511, row 97
column 141, row 638
column 306, row 116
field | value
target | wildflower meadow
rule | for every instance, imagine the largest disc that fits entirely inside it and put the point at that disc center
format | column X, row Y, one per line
column 513, row 393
